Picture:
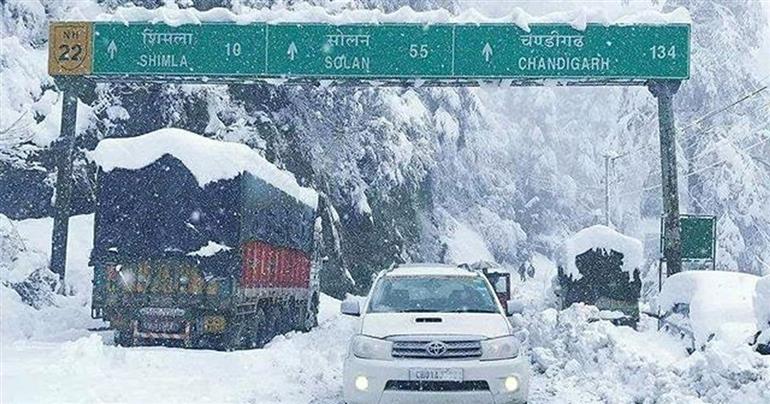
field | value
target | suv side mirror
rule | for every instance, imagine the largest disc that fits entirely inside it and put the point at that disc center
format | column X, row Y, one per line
column 514, row 307
column 350, row 307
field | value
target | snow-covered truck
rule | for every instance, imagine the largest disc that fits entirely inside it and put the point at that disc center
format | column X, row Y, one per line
column 201, row 243
column 600, row 266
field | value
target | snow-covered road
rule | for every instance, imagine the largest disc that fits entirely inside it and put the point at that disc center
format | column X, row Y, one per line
column 297, row 368
column 49, row 355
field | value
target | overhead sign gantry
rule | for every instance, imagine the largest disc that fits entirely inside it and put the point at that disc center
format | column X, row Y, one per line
column 402, row 54
column 231, row 52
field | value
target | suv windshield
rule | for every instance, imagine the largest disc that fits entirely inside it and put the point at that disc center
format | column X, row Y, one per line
column 429, row 294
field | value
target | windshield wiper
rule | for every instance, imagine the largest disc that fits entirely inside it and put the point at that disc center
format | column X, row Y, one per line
column 473, row 311
column 419, row 311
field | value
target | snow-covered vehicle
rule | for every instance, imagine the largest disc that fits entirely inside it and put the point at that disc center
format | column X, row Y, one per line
column 201, row 242
column 599, row 266
column 762, row 311
column 706, row 305
column 433, row 333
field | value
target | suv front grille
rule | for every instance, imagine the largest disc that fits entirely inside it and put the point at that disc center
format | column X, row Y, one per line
column 449, row 347
column 408, row 385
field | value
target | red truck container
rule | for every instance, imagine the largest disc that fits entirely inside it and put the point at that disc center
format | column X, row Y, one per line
column 267, row 266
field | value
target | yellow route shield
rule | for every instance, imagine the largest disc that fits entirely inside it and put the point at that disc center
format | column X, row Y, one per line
column 69, row 48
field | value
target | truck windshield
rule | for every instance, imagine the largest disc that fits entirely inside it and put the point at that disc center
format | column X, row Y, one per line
column 432, row 294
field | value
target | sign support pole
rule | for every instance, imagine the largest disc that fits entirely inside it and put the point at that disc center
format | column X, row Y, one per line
column 64, row 149
column 607, row 189
column 664, row 91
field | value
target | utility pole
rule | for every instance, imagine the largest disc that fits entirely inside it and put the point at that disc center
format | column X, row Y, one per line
column 63, row 150
column 664, row 91
column 607, row 158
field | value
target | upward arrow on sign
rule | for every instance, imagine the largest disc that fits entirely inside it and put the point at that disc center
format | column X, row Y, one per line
column 291, row 51
column 487, row 52
column 111, row 49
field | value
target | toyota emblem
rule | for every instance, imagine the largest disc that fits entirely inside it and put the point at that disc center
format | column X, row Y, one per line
column 436, row 348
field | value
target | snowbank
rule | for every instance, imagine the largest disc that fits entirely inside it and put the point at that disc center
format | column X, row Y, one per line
column 29, row 309
column 577, row 360
column 762, row 304
column 295, row 368
column 604, row 238
column 337, row 14
column 720, row 303
column 207, row 159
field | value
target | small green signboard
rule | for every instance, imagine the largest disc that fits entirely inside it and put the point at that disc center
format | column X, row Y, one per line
column 186, row 50
column 382, row 51
column 560, row 51
column 698, row 235
column 387, row 51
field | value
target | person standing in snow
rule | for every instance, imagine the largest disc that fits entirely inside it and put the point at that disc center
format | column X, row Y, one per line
column 530, row 269
column 523, row 272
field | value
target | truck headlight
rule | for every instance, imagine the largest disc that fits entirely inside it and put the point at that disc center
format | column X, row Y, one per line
column 370, row 348
column 499, row 348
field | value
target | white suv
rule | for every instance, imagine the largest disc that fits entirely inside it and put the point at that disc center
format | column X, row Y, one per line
column 434, row 333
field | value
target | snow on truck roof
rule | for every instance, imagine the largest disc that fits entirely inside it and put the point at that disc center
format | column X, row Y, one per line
column 604, row 238
column 207, row 159
column 303, row 12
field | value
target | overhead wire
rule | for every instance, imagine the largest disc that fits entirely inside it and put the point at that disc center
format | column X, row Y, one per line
column 698, row 171
column 708, row 115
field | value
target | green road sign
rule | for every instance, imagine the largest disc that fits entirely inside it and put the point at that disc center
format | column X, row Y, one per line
column 187, row 50
column 560, row 51
column 387, row 51
column 698, row 235
column 380, row 51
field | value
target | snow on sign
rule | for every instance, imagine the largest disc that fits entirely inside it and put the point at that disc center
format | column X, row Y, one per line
column 381, row 51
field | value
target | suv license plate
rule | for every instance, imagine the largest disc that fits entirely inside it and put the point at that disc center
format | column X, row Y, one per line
column 436, row 374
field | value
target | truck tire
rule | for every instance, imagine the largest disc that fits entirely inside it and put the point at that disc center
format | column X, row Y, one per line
column 259, row 329
column 273, row 316
column 235, row 336
column 310, row 314
column 288, row 320
column 124, row 337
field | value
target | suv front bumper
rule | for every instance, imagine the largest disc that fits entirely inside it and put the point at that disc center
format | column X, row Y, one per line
column 484, row 381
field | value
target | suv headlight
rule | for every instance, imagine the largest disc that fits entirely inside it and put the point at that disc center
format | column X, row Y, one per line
column 499, row 348
column 370, row 348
